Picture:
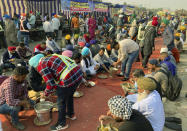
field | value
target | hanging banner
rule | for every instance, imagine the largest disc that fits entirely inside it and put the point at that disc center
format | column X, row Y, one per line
column 100, row 7
column 78, row 6
column 91, row 5
column 65, row 4
column 129, row 10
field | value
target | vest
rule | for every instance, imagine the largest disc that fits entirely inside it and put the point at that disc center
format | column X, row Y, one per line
column 23, row 27
column 70, row 65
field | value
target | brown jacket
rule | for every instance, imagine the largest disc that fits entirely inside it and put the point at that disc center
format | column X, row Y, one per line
column 162, row 79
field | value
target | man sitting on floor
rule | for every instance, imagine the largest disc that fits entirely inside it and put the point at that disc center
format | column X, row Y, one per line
column 166, row 61
column 89, row 65
column 14, row 95
column 9, row 58
column 103, row 60
column 40, row 48
column 156, row 71
column 22, row 51
column 77, row 57
column 52, row 45
column 123, row 117
column 149, row 103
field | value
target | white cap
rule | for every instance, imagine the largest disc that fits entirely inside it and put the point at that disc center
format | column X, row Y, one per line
column 164, row 50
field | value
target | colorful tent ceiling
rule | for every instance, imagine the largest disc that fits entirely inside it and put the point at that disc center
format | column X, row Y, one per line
column 43, row 6
column 12, row 6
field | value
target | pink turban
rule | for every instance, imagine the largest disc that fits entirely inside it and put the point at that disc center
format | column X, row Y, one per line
column 67, row 53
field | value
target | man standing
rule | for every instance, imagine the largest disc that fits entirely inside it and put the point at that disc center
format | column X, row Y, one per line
column 10, row 31
column 56, row 25
column 62, row 74
column 119, row 24
column 128, row 52
column 75, row 24
column 148, row 42
column 168, row 37
column 32, row 19
column 48, row 27
column 92, row 26
column 24, row 27
column 2, row 38
column 14, row 95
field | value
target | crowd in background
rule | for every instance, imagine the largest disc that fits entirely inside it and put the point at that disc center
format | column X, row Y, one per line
column 92, row 45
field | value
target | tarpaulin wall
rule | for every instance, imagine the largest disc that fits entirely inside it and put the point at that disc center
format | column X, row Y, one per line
column 12, row 6
column 45, row 6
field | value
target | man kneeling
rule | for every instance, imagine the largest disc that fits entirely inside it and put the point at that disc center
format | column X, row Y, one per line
column 14, row 96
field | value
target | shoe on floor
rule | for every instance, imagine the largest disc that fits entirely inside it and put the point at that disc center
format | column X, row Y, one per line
column 71, row 118
column 125, row 79
column 18, row 126
column 120, row 75
column 173, row 119
column 173, row 126
column 58, row 127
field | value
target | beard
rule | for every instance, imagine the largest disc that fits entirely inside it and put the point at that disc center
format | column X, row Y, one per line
column 142, row 96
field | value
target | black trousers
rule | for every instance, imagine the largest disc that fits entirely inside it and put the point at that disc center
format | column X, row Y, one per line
column 145, row 60
column 2, row 41
column 65, row 101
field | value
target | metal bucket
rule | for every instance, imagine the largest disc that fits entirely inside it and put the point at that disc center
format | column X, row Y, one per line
column 43, row 110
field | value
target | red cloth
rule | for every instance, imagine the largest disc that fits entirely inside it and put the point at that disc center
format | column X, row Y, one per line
column 154, row 22
column 105, row 19
column 176, row 54
column 11, row 48
column 87, row 39
column 39, row 48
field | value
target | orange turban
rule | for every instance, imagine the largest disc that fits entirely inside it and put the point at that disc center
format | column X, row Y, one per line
column 108, row 47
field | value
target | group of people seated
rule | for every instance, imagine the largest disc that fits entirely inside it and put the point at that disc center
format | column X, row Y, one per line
column 53, row 69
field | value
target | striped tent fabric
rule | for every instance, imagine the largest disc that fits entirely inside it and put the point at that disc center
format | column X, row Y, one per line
column 12, row 6
column 44, row 6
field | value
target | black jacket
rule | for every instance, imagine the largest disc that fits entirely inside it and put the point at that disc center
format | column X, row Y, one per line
column 137, row 122
column 35, row 80
column 6, row 56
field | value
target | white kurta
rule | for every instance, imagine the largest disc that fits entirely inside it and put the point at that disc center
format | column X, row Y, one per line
column 90, row 68
column 152, row 108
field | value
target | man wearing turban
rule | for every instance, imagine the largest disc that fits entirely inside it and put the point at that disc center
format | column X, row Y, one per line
column 89, row 65
column 63, row 75
column 149, row 103
column 9, row 58
column 10, row 31
column 123, row 117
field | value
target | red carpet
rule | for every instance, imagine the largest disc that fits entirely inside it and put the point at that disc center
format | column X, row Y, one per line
column 89, row 107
